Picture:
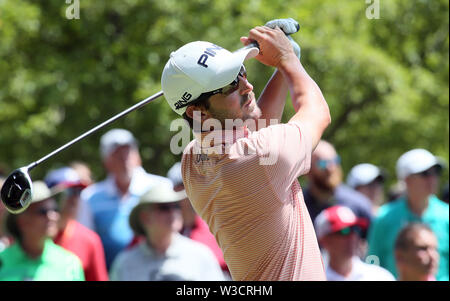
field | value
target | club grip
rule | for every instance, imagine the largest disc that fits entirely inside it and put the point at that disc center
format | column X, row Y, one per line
column 252, row 44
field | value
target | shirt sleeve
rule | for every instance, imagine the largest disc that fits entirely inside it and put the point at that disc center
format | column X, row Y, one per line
column 285, row 151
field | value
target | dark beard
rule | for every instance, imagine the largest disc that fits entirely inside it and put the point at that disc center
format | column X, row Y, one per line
column 322, row 185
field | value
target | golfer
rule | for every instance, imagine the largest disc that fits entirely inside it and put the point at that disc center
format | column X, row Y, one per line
column 243, row 181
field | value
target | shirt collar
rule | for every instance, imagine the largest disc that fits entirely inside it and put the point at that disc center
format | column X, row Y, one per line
column 47, row 245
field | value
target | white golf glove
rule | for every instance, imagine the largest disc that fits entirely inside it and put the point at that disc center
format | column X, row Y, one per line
column 288, row 26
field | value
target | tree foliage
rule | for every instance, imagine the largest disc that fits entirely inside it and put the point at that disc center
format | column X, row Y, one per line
column 386, row 79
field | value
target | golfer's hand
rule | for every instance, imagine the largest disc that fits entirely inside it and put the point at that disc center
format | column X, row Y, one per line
column 288, row 26
column 274, row 46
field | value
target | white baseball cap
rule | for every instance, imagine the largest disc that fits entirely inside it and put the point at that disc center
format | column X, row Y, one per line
column 115, row 138
column 363, row 174
column 416, row 161
column 200, row 67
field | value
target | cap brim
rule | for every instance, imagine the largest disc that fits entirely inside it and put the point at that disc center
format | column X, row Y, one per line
column 231, row 66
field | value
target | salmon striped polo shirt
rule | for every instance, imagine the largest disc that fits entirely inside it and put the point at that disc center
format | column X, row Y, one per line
column 244, row 185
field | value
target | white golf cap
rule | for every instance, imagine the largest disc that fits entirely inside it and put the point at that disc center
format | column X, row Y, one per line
column 200, row 67
column 363, row 174
column 115, row 138
column 416, row 161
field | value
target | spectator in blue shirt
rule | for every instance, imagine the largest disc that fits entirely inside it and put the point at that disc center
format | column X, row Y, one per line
column 420, row 170
column 105, row 206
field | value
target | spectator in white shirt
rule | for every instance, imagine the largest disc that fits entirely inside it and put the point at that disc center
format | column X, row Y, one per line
column 338, row 230
column 164, row 254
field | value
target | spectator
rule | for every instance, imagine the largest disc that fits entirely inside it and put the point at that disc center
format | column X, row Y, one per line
column 325, row 186
column 338, row 231
column 72, row 235
column 419, row 169
column 368, row 179
column 105, row 206
column 33, row 255
column 83, row 171
column 416, row 254
column 165, row 255
column 5, row 239
column 193, row 226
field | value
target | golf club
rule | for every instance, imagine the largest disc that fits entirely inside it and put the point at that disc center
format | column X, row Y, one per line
column 17, row 190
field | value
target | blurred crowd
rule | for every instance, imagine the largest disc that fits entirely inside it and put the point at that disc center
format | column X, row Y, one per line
column 134, row 225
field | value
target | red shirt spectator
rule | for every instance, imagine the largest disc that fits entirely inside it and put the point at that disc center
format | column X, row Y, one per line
column 86, row 244
column 72, row 235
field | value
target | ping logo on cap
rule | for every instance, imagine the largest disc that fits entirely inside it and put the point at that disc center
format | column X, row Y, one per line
column 183, row 101
column 210, row 51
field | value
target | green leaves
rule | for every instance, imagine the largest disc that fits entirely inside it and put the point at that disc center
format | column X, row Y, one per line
column 386, row 80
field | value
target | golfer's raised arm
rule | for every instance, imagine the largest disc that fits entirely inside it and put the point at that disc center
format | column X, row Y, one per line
column 309, row 104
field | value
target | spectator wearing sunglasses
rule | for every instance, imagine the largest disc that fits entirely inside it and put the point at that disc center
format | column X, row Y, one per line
column 33, row 255
column 338, row 230
column 72, row 235
column 419, row 170
column 164, row 254
column 325, row 187
column 369, row 180
column 416, row 254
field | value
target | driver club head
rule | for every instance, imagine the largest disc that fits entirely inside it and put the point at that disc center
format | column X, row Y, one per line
column 17, row 191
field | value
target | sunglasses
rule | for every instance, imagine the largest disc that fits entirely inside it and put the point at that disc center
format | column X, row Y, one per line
column 434, row 171
column 166, row 207
column 349, row 230
column 323, row 164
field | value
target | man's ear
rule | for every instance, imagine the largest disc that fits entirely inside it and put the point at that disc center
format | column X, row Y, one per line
column 200, row 111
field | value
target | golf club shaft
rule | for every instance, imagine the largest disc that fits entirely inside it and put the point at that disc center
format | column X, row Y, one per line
column 112, row 119
column 105, row 123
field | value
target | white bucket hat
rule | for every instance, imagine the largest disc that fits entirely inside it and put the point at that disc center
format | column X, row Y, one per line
column 200, row 67
column 158, row 194
column 416, row 161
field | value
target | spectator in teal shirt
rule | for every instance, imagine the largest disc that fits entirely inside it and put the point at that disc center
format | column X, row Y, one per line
column 420, row 170
column 33, row 255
